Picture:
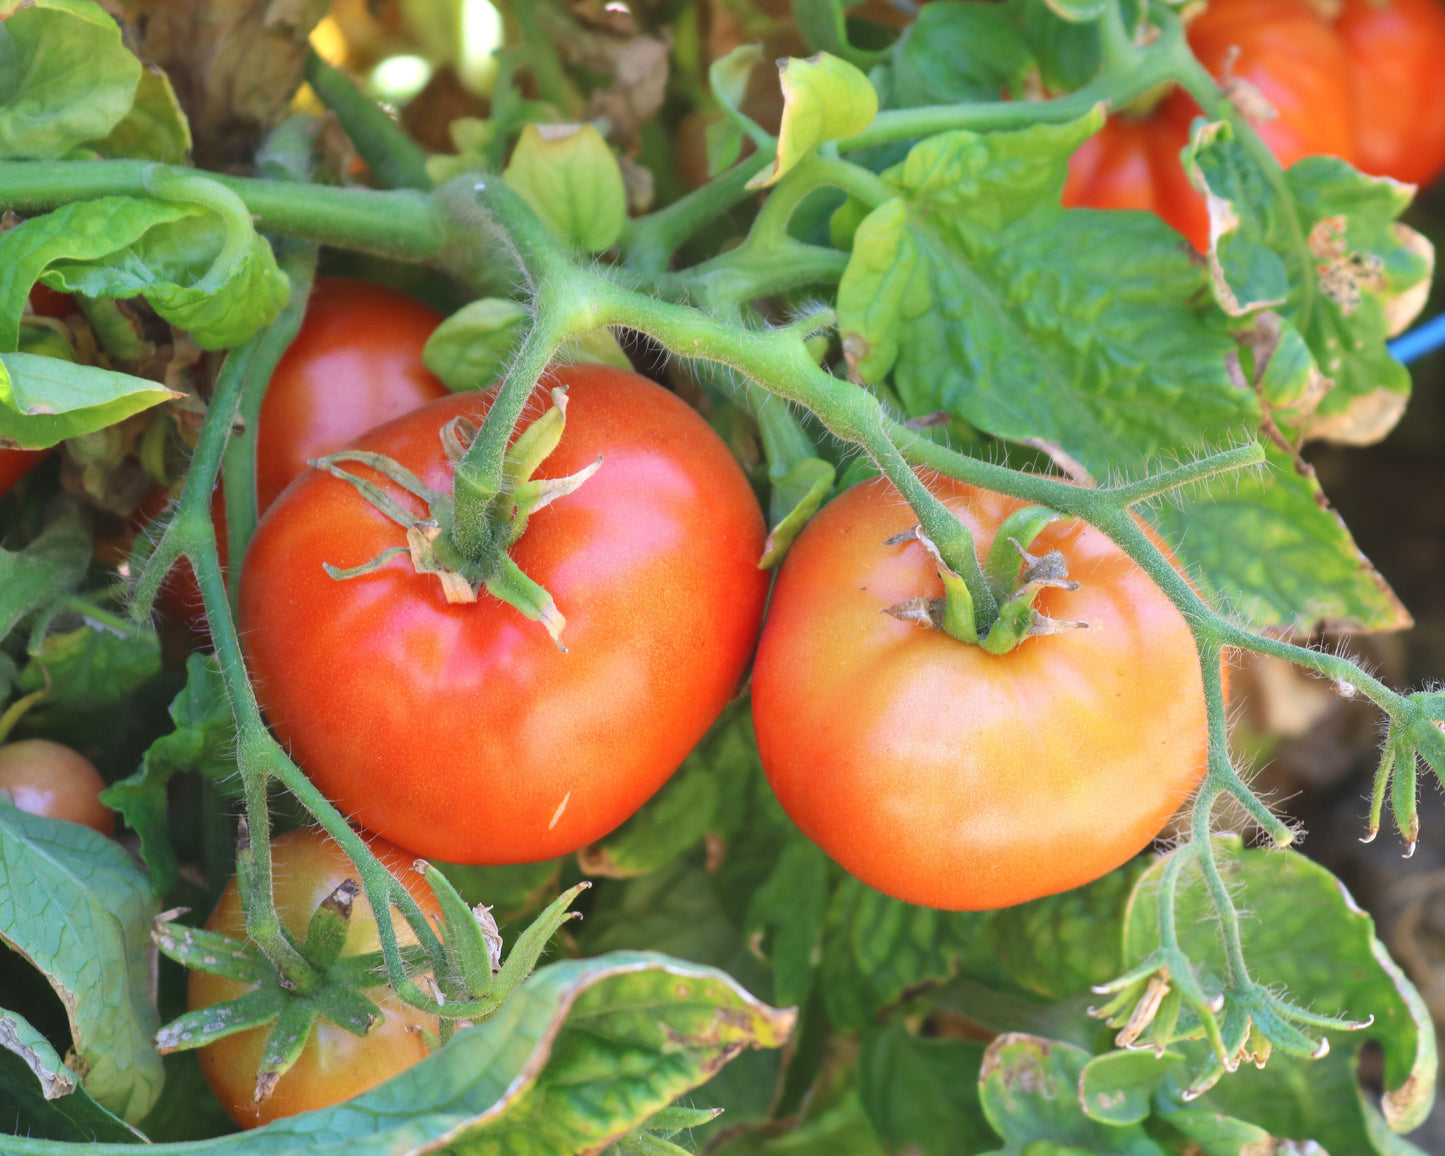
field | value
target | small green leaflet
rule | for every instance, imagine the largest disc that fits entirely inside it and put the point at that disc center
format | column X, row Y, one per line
column 44, row 400
column 79, row 910
column 567, row 173
column 50, row 566
column 824, row 98
column 155, row 129
column 953, row 53
column 65, row 78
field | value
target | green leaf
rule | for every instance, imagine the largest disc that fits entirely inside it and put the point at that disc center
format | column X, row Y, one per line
column 824, row 98
column 1029, row 1088
column 50, row 566
column 1220, row 1135
column 204, row 740
column 1118, row 1087
column 1060, row 946
column 1069, row 53
column 155, row 128
column 1307, row 935
column 1272, row 550
column 93, row 666
column 876, row 949
column 666, row 825
column 577, row 1057
column 798, row 494
column 788, row 911
column 957, row 53
column 922, row 1095
column 79, row 910
column 44, row 400
column 567, row 173
column 1323, row 243
column 170, row 253
column 1078, row 11
column 987, row 300
column 47, row 1099
column 65, row 78
column 471, row 348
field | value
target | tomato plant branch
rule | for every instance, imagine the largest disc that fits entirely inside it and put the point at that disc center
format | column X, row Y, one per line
column 649, row 242
column 259, row 757
column 394, row 159
column 401, row 223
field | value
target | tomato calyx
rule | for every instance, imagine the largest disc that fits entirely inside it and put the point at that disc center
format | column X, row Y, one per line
column 430, row 542
column 331, row 995
column 1015, row 578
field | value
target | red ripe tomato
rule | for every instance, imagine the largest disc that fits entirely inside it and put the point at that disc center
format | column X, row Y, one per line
column 46, row 778
column 15, row 464
column 1397, row 56
column 355, row 363
column 334, row 1065
column 50, row 303
column 461, row 731
column 1285, row 50
column 1133, row 163
column 949, row 777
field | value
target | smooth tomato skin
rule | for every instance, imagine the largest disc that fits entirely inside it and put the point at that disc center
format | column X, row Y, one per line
column 334, row 1065
column 15, row 464
column 951, row 778
column 461, row 731
column 1397, row 57
column 47, row 778
column 355, row 363
column 1134, row 164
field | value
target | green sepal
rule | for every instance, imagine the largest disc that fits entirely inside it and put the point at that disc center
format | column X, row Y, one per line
column 527, row 597
column 1014, row 623
column 475, row 952
column 1405, row 801
column 528, row 948
column 330, row 922
column 201, row 950
column 536, row 443
column 801, row 491
column 197, row 1028
column 347, row 1008
column 369, row 968
column 284, row 1045
column 1007, row 555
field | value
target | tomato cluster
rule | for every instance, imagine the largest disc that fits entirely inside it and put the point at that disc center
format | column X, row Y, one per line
column 932, row 770
column 1364, row 85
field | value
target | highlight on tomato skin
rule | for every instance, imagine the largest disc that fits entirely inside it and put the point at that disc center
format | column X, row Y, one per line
column 461, row 731
column 948, row 777
column 48, row 778
column 335, row 1064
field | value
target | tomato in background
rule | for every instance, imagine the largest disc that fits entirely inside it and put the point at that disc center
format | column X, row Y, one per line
column 461, row 731
column 1397, row 56
column 308, row 865
column 47, row 778
column 15, row 464
column 51, row 303
column 1368, row 88
column 945, row 776
column 355, row 363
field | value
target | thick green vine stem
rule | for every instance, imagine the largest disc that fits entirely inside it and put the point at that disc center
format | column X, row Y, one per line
column 191, row 535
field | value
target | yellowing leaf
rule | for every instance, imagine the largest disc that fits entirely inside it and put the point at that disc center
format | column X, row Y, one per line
column 568, row 174
column 824, row 98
